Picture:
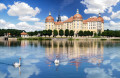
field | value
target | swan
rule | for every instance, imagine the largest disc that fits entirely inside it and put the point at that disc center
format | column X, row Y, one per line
column 56, row 62
column 16, row 65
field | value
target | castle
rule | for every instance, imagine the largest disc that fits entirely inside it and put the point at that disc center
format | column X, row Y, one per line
column 76, row 23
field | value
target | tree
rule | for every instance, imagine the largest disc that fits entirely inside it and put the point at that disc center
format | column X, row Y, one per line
column 55, row 32
column 61, row 32
column 30, row 33
column 66, row 32
column 41, row 33
column 49, row 33
column 71, row 33
column 99, row 33
column 85, row 33
column 36, row 33
column 13, row 32
column 91, row 33
column 45, row 32
column 81, row 33
column 95, row 34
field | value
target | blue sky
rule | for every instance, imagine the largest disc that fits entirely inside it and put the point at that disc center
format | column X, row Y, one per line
column 30, row 14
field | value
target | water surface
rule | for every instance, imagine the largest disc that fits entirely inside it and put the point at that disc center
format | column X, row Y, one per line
column 78, row 59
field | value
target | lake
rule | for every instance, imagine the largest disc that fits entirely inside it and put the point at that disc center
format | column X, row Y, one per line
column 78, row 59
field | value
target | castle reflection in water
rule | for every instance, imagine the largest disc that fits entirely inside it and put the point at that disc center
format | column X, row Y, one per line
column 68, row 52
column 74, row 52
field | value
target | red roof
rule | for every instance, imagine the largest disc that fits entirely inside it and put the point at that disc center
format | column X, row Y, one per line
column 85, row 21
column 49, row 19
column 23, row 33
column 59, row 23
column 9, row 33
column 77, row 17
column 69, row 20
column 95, row 19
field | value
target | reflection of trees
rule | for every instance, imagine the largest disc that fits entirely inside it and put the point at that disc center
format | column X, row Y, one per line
column 85, row 44
column 66, row 44
column 61, row 44
column 55, row 44
column 49, row 44
column 71, row 44
column 10, row 43
column 45, row 43
column 75, row 51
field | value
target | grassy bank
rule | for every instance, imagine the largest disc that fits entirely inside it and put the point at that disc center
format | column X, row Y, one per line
column 35, row 38
column 103, row 39
column 116, row 39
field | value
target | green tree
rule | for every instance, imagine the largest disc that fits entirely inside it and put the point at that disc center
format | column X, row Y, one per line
column 85, row 33
column 55, row 32
column 71, row 33
column 81, row 33
column 45, row 32
column 67, row 33
column 30, row 33
column 36, row 33
column 41, row 33
column 13, row 32
column 99, row 33
column 91, row 33
column 95, row 34
column 49, row 33
column 61, row 32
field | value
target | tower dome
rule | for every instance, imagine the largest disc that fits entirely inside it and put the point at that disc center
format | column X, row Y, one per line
column 100, row 18
column 49, row 18
column 77, row 16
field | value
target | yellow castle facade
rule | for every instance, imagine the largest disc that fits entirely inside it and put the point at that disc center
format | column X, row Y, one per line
column 76, row 23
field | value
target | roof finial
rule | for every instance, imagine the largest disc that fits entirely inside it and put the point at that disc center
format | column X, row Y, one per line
column 99, row 15
column 77, row 11
column 49, row 13
column 59, row 17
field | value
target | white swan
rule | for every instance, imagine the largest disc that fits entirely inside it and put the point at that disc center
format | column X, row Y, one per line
column 56, row 62
column 16, row 65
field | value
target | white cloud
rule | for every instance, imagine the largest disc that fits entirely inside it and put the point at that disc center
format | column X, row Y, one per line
column 93, row 17
column 2, row 6
column 110, row 10
column 115, row 15
column 106, row 62
column 24, row 11
column 116, row 66
column 63, row 18
column 2, row 21
column 28, row 27
column 98, row 6
column 26, row 71
column 6, row 25
column 22, row 25
column 28, row 18
column 96, row 73
column 112, row 23
column 106, row 18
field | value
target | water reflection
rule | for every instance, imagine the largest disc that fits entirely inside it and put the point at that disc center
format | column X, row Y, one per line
column 94, row 59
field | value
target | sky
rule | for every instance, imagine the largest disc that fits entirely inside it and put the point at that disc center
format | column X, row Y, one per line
column 30, row 15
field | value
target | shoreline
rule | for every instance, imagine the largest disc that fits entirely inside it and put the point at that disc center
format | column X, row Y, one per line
column 64, row 38
column 69, row 38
